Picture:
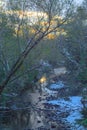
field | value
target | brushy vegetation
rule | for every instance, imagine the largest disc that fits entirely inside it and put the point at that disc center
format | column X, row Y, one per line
column 67, row 44
column 83, row 121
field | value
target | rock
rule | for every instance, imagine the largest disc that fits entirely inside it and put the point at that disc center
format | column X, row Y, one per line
column 60, row 71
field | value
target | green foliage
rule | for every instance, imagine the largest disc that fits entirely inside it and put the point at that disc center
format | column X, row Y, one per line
column 2, row 74
column 32, row 75
column 84, row 120
column 84, row 113
column 82, row 77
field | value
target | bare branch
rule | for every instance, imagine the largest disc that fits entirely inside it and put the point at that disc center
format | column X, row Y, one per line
column 51, row 8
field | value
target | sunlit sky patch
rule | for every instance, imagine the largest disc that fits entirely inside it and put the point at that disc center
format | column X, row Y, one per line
column 78, row 2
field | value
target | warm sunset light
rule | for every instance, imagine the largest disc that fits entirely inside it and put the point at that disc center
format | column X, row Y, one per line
column 28, row 13
column 43, row 79
column 37, row 18
column 43, row 64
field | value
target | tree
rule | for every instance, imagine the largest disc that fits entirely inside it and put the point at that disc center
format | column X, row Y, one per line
column 46, row 12
column 73, row 45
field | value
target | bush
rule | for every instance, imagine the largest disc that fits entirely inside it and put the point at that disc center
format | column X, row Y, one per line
column 84, row 113
column 82, row 77
column 84, row 120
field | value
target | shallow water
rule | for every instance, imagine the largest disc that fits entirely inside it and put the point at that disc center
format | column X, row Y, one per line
column 72, row 106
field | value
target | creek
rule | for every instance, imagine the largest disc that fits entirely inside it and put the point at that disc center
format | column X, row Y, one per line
column 68, row 109
column 54, row 110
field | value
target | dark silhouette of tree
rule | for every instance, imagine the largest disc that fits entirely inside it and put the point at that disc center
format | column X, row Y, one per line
column 52, row 13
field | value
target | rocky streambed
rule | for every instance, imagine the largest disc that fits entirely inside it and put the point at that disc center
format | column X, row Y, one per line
column 67, row 110
column 54, row 109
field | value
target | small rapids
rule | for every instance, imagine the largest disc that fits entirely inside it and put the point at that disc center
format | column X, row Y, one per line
column 67, row 109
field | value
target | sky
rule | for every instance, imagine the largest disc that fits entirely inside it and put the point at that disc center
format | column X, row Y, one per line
column 78, row 1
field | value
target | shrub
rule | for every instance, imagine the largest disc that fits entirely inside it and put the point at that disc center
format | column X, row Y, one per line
column 82, row 77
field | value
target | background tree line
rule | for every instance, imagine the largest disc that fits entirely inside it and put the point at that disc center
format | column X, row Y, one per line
column 66, row 36
column 20, row 35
